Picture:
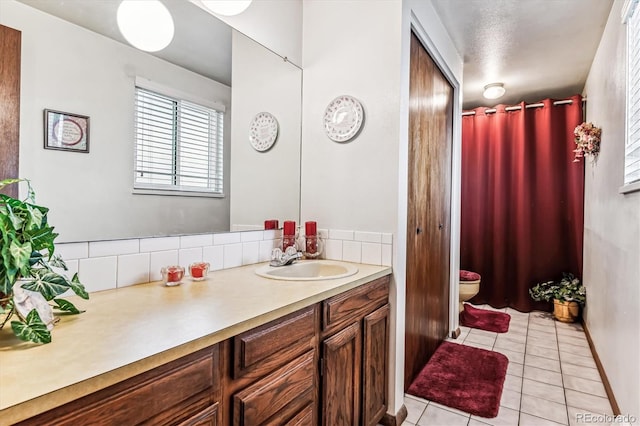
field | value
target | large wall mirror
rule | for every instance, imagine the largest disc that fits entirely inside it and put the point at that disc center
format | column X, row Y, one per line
column 75, row 60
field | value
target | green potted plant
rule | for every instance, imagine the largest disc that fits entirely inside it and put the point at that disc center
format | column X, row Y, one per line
column 29, row 277
column 567, row 295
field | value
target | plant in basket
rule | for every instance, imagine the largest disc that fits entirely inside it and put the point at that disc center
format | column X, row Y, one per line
column 567, row 295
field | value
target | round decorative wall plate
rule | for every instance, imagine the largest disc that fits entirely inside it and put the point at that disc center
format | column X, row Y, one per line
column 263, row 131
column 343, row 118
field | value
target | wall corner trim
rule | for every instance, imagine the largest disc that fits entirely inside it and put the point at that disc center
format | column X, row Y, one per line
column 605, row 381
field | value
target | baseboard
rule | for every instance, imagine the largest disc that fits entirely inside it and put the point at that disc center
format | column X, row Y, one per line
column 603, row 375
column 391, row 420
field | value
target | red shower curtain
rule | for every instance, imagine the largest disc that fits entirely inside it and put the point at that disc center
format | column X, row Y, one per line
column 522, row 200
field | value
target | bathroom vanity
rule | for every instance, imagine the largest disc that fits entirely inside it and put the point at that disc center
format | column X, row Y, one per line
column 236, row 349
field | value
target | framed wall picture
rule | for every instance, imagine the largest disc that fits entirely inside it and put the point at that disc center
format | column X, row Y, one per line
column 66, row 131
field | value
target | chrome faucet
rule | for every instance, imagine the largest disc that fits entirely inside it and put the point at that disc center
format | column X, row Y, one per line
column 279, row 258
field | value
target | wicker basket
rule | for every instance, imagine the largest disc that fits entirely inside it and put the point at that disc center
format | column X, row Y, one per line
column 565, row 311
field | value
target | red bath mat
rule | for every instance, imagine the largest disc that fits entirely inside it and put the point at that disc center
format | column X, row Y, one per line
column 463, row 377
column 484, row 319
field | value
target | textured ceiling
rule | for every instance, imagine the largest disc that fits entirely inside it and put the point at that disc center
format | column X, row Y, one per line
column 537, row 48
column 202, row 43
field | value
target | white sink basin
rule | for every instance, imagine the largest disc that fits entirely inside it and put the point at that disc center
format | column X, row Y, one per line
column 308, row 270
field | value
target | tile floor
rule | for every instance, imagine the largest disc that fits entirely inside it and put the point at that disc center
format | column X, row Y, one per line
column 551, row 379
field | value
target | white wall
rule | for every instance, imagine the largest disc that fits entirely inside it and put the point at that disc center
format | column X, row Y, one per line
column 276, row 24
column 68, row 68
column 264, row 185
column 362, row 49
column 612, row 226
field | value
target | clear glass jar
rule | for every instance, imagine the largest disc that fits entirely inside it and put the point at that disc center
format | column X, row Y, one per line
column 199, row 271
column 172, row 275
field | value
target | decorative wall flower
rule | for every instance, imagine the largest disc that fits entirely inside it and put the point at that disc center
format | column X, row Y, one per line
column 587, row 141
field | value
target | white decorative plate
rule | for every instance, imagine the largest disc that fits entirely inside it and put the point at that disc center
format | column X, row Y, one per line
column 343, row 118
column 263, row 131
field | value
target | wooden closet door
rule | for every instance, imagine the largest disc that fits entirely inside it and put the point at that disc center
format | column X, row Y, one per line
column 428, row 214
column 10, row 41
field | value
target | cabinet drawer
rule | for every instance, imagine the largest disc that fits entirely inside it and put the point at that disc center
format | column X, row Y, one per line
column 279, row 396
column 206, row 417
column 165, row 395
column 354, row 304
column 303, row 418
column 262, row 349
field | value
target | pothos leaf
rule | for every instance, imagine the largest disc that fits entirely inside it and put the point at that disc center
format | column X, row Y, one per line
column 57, row 262
column 65, row 305
column 20, row 254
column 78, row 288
column 32, row 330
column 47, row 283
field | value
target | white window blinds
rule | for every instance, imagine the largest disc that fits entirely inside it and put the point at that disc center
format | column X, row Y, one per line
column 632, row 148
column 178, row 144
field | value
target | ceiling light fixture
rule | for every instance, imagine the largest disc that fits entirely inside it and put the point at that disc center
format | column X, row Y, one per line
column 227, row 7
column 146, row 24
column 493, row 90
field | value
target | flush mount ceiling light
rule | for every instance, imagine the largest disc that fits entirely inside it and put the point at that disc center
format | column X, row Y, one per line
column 145, row 24
column 493, row 90
column 227, row 7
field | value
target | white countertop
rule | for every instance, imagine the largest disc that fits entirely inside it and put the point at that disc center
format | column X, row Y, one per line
column 134, row 329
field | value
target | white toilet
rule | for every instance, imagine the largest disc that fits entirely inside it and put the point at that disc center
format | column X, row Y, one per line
column 469, row 286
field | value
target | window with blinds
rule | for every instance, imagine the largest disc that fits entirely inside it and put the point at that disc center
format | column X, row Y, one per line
column 178, row 144
column 632, row 148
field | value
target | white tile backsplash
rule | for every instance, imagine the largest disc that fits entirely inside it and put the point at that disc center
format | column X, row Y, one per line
column 109, row 264
column 202, row 240
column 133, row 269
column 250, row 252
column 158, row 259
column 73, row 250
column 230, row 238
column 372, row 253
column 232, row 255
column 215, row 256
column 246, row 237
column 113, row 247
column 159, row 244
column 339, row 234
column 352, row 251
column 368, row 237
column 387, row 255
column 333, row 249
column 264, row 252
column 188, row 256
column 99, row 273
column 271, row 234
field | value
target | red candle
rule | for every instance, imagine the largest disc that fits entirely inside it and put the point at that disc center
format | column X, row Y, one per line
column 172, row 275
column 198, row 269
column 271, row 224
column 289, row 228
column 311, row 244
column 310, row 228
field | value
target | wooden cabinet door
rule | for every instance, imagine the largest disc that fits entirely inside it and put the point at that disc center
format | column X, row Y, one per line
column 277, row 398
column 10, row 46
column 206, row 417
column 342, row 355
column 375, row 365
column 428, row 211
